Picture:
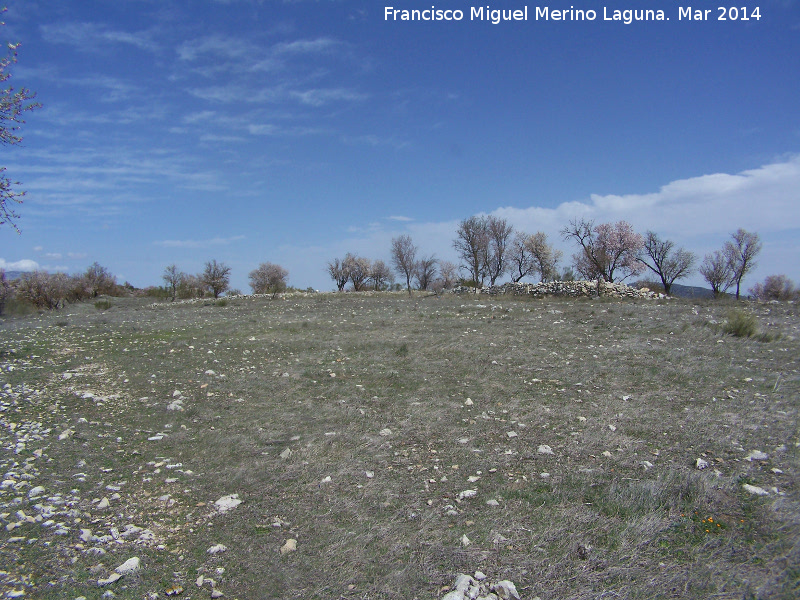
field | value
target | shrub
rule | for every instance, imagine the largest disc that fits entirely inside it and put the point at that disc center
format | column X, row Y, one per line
column 102, row 305
column 740, row 324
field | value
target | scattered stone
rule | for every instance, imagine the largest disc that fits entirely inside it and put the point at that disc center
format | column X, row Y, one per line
column 65, row 434
column 215, row 593
column 756, row 455
column 701, row 464
column 326, row 479
column 104, row 503
column 512, row 434
column 36, row 491
column 467, row 494
column 492, row 502
column 480, row 576
column 545, row 449
column 216, row 549
column 755, row 490
column 227, row 503
column 612, row 427
column 465, row 541
column 647, row 465
column 110, row 579
column 286, row 453
column 289, row 546
column 129, row 566
column 385, row 432
column 505, row 589
column 468, row 402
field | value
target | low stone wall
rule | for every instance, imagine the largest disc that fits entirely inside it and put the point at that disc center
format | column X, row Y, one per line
column 570, row 289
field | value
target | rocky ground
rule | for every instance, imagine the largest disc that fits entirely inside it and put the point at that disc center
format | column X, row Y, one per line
column 376, row 447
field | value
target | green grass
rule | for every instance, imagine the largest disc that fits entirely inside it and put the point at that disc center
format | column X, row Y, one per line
column 607, row 385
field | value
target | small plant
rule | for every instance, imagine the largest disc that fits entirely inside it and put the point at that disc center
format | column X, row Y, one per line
column 222, row 302
column 740, row 324
column 402, row 350
column 102, row 305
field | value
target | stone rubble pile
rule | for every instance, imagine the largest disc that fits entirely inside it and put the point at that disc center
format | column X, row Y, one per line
column 570, row 289
column 481, row 588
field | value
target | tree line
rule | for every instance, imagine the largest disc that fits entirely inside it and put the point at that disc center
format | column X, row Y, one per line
column 488, row 247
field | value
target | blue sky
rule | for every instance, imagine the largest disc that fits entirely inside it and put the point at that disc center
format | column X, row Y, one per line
column 296, row 131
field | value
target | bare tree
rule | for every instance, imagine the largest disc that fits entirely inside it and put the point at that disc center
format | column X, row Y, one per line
column 359, row 269
column 499, row 232
column 99, row 280
column 191, row 286
column 663, row 259
column 42, row 290
column 472, row 245
column 448, row 274
column 775, row 287
column 741, row 254
column 173, row 277
column 544, row 257
column 217, row 277
column 5, row 290
column 716, row 270
column 337, row 269
column 404, row 256
column 380, row 275
column 607, row 251
column 521, row 264
column 13, row 103
column 425, row 272
column 268, row 278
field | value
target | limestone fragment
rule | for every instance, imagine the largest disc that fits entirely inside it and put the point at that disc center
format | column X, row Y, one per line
column 227, row 503
column 289, row 546
column 129, row 566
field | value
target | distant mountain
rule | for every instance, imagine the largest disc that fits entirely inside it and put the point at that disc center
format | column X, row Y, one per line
column 690, row 291
column 14, row 274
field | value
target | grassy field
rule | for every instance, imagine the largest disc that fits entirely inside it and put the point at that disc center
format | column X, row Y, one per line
column 400, row 441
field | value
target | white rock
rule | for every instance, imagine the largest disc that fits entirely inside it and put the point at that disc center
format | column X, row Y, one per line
column 286, row 453
column 217, row 549
column 465, row 541
column 468, row 402
column 369, row 474
column 701, row 464
column 385, row 432
column 17, row 593
column 612, row 427
column 86, row 535
column 65, row 434
column 480, row 575
column 505, row 589
column 215, row 593
column 129, row 566
column 492, row 502
column 289, row 546
column 37, row 491
column 104, row 503
column 647, row 465
column 454, row 595
column 512, row 434
column 545, row 449
column 463, row 583
column 607, row 454
column 755, row 490
column 326, row 479
column 110, row 579
column 756, row 455
column 227, row 503
column 467, row 494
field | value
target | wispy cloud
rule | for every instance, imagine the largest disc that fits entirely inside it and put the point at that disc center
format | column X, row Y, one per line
column 217, row 241
column 87, row 36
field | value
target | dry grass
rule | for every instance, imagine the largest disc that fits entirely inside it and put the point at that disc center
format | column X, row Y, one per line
column 606, row 385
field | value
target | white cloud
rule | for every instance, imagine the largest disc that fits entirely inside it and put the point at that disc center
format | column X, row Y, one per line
column 698, row 213
column 21, row 265
column 84, row 36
